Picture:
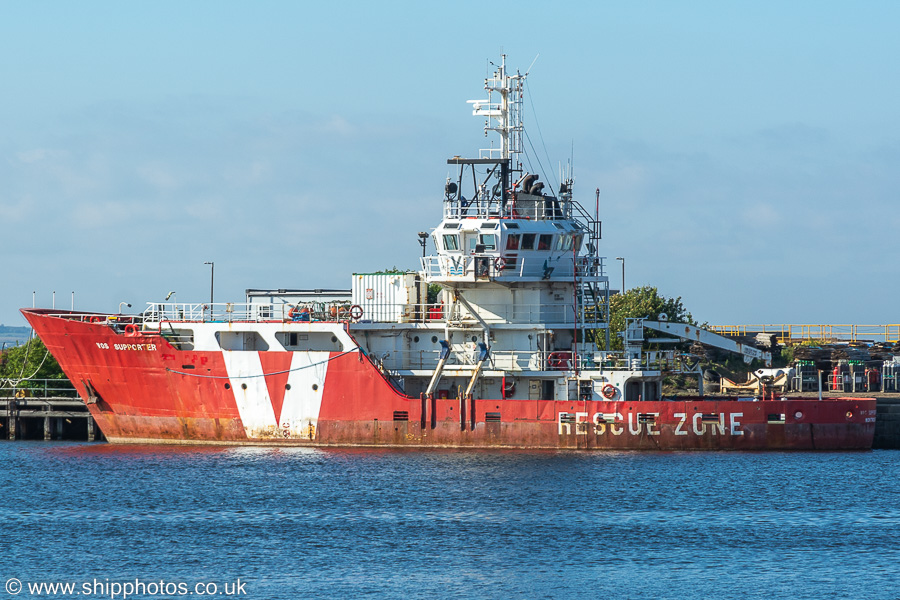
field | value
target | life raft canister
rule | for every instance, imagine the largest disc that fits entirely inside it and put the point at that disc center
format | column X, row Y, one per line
column 298, row 314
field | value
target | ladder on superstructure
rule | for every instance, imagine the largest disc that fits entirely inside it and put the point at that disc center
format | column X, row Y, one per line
column 592, row 297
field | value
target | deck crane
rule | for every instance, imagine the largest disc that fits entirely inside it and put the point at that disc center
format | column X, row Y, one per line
column 634, row 339
column 693, row 333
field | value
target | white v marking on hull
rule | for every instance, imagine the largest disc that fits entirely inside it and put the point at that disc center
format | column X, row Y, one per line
column 302, row 402
column 250, row 392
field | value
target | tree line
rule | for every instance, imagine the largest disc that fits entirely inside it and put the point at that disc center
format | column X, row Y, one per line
column 26, row 362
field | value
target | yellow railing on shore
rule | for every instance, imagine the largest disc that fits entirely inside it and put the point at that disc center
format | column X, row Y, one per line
column 795, row 334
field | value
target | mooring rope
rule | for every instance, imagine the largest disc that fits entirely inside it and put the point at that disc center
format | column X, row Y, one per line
column 14, row 383
column 321, row 362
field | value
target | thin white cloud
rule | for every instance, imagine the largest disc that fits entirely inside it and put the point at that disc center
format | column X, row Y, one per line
column 40, row 154
column 17, row 211
column 255, row 172
column 763, row 214
column 337, row 125
column 102, row 215
column 159, row 175
column 208, row 210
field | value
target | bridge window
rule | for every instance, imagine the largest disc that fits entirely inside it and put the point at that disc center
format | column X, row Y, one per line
column 528, row 241
column 451, row 242
column 545, row 242
column 564, row 242
column 578, row 240
column 512, row 241
column 489, row 240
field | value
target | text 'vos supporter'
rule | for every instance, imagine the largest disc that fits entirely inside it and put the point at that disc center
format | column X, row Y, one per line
column 136, row 347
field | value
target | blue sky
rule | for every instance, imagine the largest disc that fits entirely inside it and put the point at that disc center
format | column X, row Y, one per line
column 746, row 153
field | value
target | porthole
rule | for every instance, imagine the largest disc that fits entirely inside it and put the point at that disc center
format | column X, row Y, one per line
column 434, row 339
column 227, row 386
column 315, row 386
column 474, row 338
column 287, row 386
column 333, row 339
column 243, row 386
column 416, row 339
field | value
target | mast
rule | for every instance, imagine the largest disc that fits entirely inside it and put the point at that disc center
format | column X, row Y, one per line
column 503, row 116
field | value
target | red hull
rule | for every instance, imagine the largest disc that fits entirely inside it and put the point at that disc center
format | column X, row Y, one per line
column 140, row 388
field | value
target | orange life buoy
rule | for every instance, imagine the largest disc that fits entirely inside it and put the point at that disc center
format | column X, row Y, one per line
column 558, row 361
column 609, row 392
column 499, row 263
column 131, row 329
column 356, row 312
column 96, row 319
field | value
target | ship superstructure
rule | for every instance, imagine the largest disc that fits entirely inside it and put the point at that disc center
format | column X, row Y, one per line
column 524, row 294
column 501, row 339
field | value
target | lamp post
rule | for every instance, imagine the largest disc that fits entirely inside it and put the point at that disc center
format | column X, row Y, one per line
column 120, row 306
column 623, row 272
column 423, row 239
column 212, row 280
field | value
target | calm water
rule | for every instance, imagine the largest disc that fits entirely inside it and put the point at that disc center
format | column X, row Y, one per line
column 293, row 523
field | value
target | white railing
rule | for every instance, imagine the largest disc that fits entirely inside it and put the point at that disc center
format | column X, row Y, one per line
column 457, row 313
column 432, row 266
column 562, row 313
column 239, row 312
column 525, row 206
column 428, row 360
column 528, row 360
column 104, row 318
column 502, row 266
